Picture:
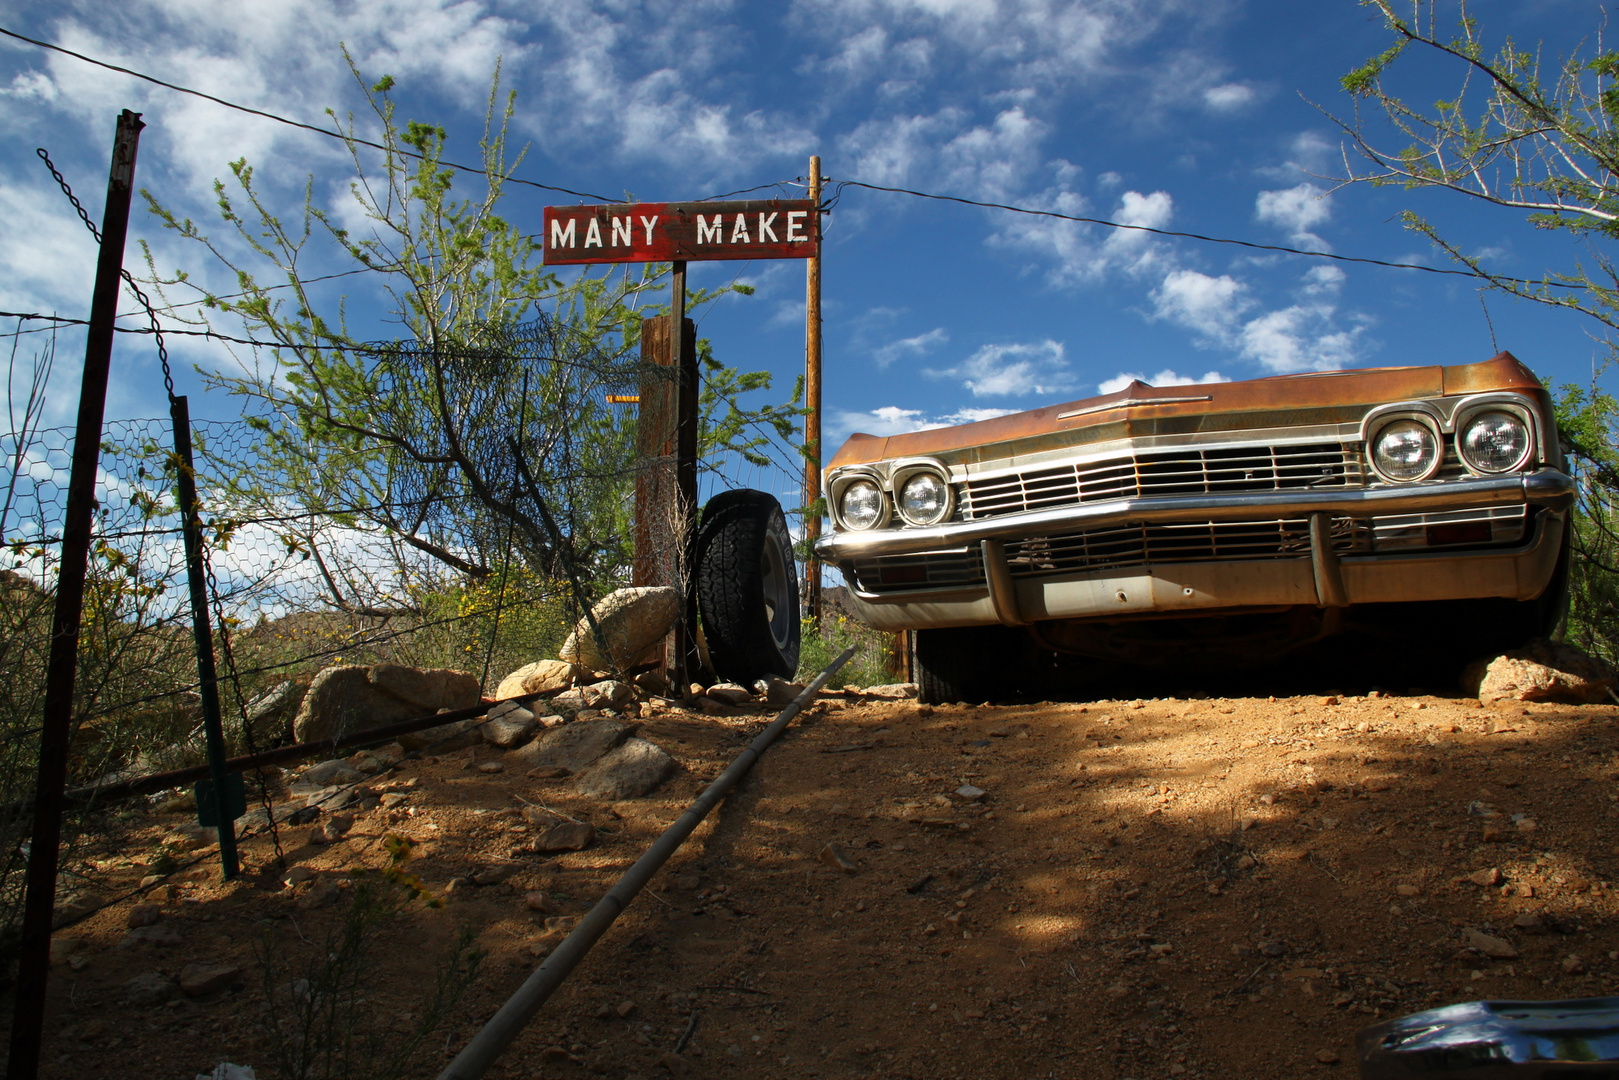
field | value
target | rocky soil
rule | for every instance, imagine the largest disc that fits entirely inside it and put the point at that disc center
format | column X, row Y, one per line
column 1133, row 888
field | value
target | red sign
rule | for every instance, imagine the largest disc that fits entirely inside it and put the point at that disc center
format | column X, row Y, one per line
column 672, row 232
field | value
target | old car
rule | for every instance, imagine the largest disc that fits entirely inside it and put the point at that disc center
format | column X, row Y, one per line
column 1197, row 527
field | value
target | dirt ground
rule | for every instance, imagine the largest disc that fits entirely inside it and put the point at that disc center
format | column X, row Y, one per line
column 1146, row 888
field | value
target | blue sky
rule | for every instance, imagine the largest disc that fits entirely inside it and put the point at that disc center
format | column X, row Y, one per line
column 1194, row 116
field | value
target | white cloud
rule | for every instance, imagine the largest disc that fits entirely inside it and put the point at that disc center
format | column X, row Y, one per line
column 893, row 420
column 982, row 160
column 1082, row 253
column 30, row 86
column 1209, row 305
column 910, row 347
column 1014, row 370
column 1297, row 209
column 1302, row 337
column 1163, row 378
column 1228, row 97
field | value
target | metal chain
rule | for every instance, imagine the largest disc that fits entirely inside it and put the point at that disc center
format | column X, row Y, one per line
column 225, row 649
column 129, row 280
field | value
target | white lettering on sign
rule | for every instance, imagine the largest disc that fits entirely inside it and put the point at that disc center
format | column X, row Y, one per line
column 739, row 232
column 647, row 223
column 622, row 226
column 767, row 228
column 795, row 226
column 562, row 233
column 593, row 234
column 710, row 234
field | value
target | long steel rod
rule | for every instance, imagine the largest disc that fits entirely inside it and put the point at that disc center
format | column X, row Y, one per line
column 61, row 672
column 213, row 727
column 813, row 459
column 504, row 1027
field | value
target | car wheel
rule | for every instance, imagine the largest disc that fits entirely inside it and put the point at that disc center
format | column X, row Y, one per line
column 970, row 664
column 747, row 587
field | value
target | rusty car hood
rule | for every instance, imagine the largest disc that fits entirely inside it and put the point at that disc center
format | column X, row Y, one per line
column 1140, row 410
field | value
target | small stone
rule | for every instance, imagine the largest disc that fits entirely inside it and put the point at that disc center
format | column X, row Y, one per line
column 565, row 836
column 1526, row 825
column 1326, row 1057
column 780, row 692
column 536, row 901
column 319, row 896
column 394, row 798
column 1408, row 890
column 1492, row 946
column 729, row 694
column 624, row 1008
column 676, row 1064
column 151, row 879
column 160, row 934
column 297, row 875
column 1530, row 923
column 688, row 882
column 328, row 773
column 148, row 988
column 492, row 875
column 143, row 915
column 547, row 772
column 1493, row 834
column 490, row 768
column 709, row 707
column 1487, row 877
column 1273, row 949
column 1330, row 699
column 633, row 769
column 200, row 980
column 834, row 856
column 1573, row 965
column 969, row 793
column 511, row 727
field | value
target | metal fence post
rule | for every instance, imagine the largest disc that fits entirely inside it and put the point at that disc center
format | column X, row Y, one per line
column 207, row 677
column 34, row 952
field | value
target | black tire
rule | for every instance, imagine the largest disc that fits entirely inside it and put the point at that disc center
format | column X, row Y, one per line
column 967, row 664
column 747, row 587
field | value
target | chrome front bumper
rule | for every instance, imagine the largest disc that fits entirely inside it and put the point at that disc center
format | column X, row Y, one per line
column 1324, row 578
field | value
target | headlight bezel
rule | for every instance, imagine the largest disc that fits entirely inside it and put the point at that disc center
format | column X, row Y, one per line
column 906, row 471
column 1471, row 411
column 885, row 505
column 1420, row 418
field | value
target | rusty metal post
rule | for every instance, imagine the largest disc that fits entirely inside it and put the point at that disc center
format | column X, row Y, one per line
column 34, row 949
column 202, row 634
column 812, row 407
column 666, row 475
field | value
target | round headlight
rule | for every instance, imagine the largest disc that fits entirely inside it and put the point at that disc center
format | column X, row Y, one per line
column 924, row 499
column 861, row 505
column 1405, row 450
column 1495, row 442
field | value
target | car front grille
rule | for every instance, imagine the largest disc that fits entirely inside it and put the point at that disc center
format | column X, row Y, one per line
column 1196, row 541
column 1184, row 471
column 926, row 570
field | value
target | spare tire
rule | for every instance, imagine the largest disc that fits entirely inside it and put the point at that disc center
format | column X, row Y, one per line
column 747, row 587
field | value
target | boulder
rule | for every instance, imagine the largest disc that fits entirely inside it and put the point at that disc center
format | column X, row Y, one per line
column 148, row 988
column 631, row 621
column 328, row 774
column 1541, row 671
column 351, row 698
column 780, row 691
column 201, row 980
column 540, row 677
column 572, row 746
column 634, row 768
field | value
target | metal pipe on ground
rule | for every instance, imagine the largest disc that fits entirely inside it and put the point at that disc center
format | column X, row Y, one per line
column 504, row 1027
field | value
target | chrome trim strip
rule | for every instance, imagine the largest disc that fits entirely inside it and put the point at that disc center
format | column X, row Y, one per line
column 1131, row 403
column 1002, row 591
column 1544, row 487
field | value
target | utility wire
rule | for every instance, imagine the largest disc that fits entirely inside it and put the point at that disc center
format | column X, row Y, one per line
column 292, row 123
column 1198, row 236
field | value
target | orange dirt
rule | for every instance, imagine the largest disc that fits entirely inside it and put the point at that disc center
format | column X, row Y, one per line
column 1201, row 888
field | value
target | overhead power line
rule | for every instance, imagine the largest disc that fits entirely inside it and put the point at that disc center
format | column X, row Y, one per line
column 289, row 122
column 1199, row 236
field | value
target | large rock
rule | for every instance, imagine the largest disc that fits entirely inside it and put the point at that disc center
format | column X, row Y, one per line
column 1542, row 671
column 572, row 746
column 631, row 622
column 508, row 725
column 635, row 768
column 540, row 677
column 352, row 698
column 446, row 738
column 271, row 714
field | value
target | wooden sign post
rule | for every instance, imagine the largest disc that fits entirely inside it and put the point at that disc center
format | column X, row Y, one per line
column 677, row 233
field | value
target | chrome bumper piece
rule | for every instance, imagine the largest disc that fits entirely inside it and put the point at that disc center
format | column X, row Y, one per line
column 1544, row 487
